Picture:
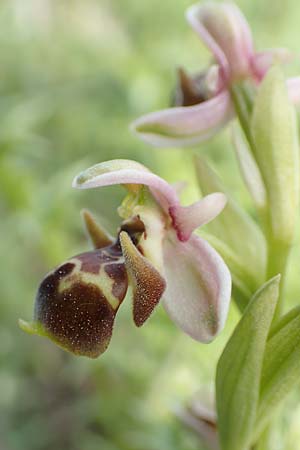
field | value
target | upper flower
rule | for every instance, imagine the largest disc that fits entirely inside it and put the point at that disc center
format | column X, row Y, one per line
column 155, row 253
column 203, row 103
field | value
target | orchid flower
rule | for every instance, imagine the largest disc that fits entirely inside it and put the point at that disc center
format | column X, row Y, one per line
column 155, row 254
column 203, row 103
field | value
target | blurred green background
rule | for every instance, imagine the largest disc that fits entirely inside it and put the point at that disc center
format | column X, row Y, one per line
column 73, row 74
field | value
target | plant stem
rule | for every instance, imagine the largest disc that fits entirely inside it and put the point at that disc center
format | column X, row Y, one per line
column 278, row 252
column 243, row 108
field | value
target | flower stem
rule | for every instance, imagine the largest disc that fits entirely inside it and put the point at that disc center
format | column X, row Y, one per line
column 243, row 107
column 278, row 252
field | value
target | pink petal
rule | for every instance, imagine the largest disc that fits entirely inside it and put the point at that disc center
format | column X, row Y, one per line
column 262, row 61
column 187, row 218
column 225, row 31
column 198, row 287
column 192, row 16
column 293, row 86
column 122, row 171
column 185, row 125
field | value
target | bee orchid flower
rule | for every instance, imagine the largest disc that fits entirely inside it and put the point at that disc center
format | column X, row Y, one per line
column 203, row 103
column 155, row 253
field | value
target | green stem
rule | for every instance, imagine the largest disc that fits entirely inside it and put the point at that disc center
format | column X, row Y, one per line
column 243, row 109
column 278, row 252
column 243, row 105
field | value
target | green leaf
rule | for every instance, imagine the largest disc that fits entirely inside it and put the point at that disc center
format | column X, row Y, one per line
column 237, row 229
column 281, row 367
column 239, row 370
column 283, row 321
column 276, row 151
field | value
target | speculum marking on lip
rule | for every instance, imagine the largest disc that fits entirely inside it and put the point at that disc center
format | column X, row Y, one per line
column 118, row 274
column 91, row 262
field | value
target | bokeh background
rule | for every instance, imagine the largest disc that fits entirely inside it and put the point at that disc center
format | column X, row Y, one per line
column 73, row 74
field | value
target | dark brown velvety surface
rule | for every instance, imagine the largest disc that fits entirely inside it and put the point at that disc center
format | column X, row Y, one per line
column 79, row 317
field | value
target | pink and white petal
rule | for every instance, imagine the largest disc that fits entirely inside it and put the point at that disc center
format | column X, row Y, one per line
column 293, row 87
column 122, row 171
column 198, row 287
column 225, row 31
column 185, row 125
column 262, row 61
column 187, row 218
column 193, row 16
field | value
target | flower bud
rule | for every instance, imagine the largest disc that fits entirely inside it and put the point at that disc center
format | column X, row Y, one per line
column 276, row 151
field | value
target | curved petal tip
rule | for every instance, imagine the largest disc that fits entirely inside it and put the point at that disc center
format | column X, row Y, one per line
column 126, row 172
column 225, row 31
column 185, row 125
column 187, row 218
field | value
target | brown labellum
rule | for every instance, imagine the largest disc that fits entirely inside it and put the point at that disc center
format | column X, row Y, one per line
column 76, row 304
column 72, row 307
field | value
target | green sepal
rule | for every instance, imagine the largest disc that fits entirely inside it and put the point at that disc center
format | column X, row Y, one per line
column 239, row 370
